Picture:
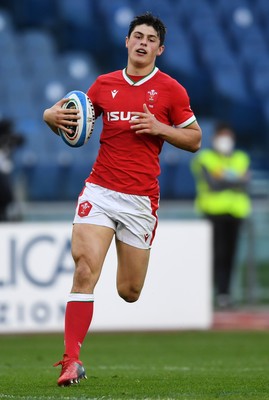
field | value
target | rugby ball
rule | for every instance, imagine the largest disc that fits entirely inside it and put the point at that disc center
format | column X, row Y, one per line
column 82, row 132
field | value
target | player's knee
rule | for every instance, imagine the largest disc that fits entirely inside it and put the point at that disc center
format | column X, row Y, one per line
column 130, row 295
column 83, row 272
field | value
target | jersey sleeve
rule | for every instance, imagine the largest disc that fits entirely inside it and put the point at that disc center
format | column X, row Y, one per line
column 92, row 93
column 181, row 112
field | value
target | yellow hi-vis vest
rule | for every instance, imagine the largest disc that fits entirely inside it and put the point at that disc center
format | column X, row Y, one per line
column 228, row 201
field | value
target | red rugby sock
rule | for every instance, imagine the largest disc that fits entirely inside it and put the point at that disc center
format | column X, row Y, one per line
column 78, row 316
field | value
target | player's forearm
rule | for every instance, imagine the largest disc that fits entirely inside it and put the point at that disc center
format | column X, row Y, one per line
column 48, row 122
column 188, row 138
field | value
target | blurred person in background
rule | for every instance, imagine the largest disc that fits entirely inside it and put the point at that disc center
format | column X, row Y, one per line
column 222, row 177
column 121, row 195
column 9, row 141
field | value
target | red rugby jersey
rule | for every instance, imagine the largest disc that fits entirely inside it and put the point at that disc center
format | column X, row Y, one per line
column 128, row 162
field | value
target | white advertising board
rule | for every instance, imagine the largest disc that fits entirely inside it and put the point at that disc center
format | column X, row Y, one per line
column 36, row 270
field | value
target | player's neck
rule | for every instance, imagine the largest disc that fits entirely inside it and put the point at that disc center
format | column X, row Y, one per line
column 134, row 70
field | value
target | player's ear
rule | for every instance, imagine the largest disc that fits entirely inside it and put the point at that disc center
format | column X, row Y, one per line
column 126, row 41
column 160, row 50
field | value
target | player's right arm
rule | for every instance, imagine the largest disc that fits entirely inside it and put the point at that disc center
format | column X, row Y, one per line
column 188, row 138
column 57, row 117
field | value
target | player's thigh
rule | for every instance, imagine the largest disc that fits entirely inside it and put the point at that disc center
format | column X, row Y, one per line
column 132, row 268
column 90, row 244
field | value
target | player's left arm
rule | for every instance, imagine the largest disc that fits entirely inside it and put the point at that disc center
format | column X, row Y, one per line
column 187, row 138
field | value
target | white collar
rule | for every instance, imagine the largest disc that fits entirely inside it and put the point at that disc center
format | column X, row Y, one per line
column 142, row 80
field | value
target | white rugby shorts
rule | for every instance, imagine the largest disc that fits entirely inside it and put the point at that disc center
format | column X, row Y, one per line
column 133, row 218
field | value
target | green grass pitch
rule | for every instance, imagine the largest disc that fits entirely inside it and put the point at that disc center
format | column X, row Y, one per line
column 176, row 365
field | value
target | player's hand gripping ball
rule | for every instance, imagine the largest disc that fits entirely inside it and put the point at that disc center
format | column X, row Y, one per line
column 81, row 132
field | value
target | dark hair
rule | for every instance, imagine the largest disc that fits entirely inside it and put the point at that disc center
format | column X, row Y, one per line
column 222, row 125
column 150, row 20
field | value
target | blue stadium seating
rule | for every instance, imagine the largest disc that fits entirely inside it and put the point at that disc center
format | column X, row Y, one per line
column 261, row 11
column 6, row 22
column 78, row 27
column 187, row 12
column 179, row 55
column 229, row 81
column 38, row 53
column 260, row 78
column 250, row 35
column 78, row 69
column 265, row 109
column 225, row 9
column 165, row 9
column 33, row 13
column 218, row 49
column 246, row 57
column 115, row 16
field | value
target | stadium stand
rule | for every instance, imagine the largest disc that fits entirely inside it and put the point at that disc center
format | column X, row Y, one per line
column 218, row 49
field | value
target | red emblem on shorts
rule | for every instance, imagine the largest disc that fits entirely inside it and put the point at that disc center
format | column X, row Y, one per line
column 84, row 209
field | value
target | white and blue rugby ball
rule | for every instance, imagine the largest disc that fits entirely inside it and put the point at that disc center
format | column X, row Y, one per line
column 81, row 132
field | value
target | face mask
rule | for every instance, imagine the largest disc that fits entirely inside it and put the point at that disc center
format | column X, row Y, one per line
column 223, row 144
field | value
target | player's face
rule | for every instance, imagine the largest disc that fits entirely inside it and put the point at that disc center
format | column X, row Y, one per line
column 143, row 46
